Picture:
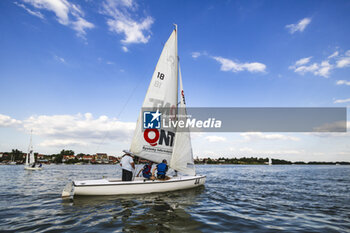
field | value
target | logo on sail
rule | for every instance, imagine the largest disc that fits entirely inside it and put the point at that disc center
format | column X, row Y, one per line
column 152, row 120
column 161, row 137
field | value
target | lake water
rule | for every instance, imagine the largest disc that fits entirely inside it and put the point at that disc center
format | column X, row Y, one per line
column 253, row 198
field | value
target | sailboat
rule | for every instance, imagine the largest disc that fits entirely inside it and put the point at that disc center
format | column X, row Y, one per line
column 270, row 161
column 30, row 159
column 12, row 162
column 176, row 145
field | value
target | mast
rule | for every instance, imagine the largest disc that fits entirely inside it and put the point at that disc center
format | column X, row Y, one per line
column 182, row 156
column 30, row 154
column 177, row 66
column 29, row 148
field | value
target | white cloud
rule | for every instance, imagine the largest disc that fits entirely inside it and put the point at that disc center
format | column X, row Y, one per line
column 343, row 82
column 125, row 49
column 340, row 101
column 82, row 131
column 7, row 121
column 337, row 126
column 65, row 130
column 35, row 13
column 60, row 59
column 303, row 61
column 229, row 65
column 63, row 143
column 300, row 26
column 214, row 138
column 67, row 14
column 80, row 25
column 79, row 127
column 304, row 69
column 282, row 152
column 121, row 21
column 246, row 149
column 324, row 68
column 335, row 54
column 195, row 54
column 253, row 152
column 263, row 136
column 343, row 62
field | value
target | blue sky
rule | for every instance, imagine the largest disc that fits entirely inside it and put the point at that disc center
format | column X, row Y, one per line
column 76, row 72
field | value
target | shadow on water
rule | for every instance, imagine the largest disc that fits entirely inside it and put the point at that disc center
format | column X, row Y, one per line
column 156, row 212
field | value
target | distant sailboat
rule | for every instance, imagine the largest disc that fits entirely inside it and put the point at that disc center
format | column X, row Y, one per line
column 12, row 162
column 30, row 158
column 270, row 161
column 163, row 88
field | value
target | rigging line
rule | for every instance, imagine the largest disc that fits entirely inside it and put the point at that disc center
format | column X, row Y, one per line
column 118, row 115
column 135, row 172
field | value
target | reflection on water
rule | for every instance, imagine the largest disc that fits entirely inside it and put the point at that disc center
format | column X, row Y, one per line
column 234, row 199
column 157, row 212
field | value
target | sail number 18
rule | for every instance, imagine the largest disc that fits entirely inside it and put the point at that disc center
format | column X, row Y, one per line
column 160, row 76
column 158, row 83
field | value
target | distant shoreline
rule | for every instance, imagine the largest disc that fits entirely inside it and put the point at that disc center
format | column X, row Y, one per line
column 313, row 163
column 69, row 157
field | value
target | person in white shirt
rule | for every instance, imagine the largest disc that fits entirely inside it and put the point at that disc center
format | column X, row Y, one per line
column 128, row 165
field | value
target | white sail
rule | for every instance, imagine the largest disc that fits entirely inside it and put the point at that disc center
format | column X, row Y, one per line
column 27, row 158
column 30, row 156
column 161, row 93
column 182, row 158
column 270, row 161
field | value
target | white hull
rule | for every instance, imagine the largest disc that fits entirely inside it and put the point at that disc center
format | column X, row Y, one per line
column 33, row 168
column 138, row 186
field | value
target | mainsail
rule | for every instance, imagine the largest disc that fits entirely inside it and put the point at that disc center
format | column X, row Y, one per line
column 157, row 144
column 182, row 158
column 30, row 156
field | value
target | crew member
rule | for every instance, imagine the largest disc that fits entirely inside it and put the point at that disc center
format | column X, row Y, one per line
column 128, row 165
column 146, row 170
column 161, row 168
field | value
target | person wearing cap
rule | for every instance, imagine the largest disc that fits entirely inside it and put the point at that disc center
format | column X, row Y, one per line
column 146, row 170
column 161, row 168
column 128, row 165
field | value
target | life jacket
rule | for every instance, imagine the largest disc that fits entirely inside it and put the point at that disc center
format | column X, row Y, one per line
column 162, row 168
column 146, row 170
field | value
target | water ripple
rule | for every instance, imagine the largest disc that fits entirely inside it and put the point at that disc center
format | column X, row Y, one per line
column 234, row 199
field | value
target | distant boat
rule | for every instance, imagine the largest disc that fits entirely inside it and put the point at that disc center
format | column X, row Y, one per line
column 163, row 88
column 12, row 162
column 30, row 158
column 270, row 161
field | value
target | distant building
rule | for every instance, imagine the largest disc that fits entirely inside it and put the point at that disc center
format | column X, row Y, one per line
column 67, row 157
column 101, row 158
column 112, row 159
column 88, row 157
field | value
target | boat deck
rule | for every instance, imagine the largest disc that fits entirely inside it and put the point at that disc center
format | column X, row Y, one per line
column 137, row 180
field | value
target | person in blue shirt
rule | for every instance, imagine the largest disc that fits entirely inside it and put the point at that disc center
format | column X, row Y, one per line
column 146, row 170
column 161, row 168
